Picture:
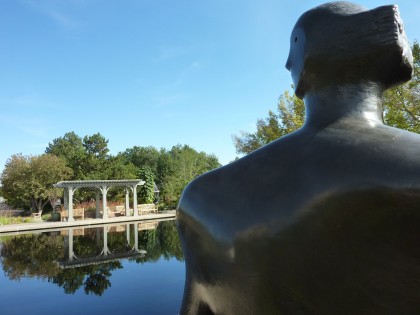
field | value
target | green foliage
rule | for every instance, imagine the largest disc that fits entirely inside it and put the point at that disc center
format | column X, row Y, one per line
column 70, row 148
column 98, row 280
column 172, row 170
column 160, row 242
column 290, row 117
column 13, row 180
column 169, row 240
column 401, row 104
column 147, row 191
column 14, row 220
column 181, row 165
column 120, row 168
column 94, row 278
column 142, row 157
column 88, row 158
column 28, row 180
column 32, row 255
column 96, row 145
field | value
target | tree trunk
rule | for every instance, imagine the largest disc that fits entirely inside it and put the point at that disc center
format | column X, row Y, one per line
column 33, row 205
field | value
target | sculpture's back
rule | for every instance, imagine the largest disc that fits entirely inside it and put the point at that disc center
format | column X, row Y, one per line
column 324, row 220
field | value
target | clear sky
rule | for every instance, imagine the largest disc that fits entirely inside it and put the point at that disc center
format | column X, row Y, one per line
column 146, row 72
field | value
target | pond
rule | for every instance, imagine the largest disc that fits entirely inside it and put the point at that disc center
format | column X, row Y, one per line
column 134, row 268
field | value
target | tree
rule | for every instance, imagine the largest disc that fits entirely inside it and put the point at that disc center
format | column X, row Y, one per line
column 70, row 148
column 401, row 103
column 96, row 160
column 142, row 157
column 290, row 116
column 400, row 109
column 119, row 168
column 170, row 170
column 147, row 191
column 29, row 180
column 96, row 145
column 183, row 164
column 87, row 157
column 32, row 255
column 14, row 179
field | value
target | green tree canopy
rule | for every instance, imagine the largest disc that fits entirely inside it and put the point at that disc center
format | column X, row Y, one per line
column 183, row 164
column 143, row 157
column 70, row 148
column 28, row 180
column 87, row 157
column 289, row 117
column 171, row 170
column 119, row 168
column 401, row 104
column 147, row 191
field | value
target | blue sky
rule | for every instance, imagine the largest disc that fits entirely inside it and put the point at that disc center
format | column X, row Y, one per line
column 145, row 72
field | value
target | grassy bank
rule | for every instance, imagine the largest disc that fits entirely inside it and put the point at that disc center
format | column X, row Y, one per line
column 14, row 220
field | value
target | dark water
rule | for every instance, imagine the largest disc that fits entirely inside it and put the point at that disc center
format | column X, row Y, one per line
column 113, row 269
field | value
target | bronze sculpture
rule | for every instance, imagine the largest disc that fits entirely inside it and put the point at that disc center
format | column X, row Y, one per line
column 325, row 220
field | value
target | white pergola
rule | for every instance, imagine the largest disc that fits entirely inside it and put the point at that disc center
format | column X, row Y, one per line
column 102, row 187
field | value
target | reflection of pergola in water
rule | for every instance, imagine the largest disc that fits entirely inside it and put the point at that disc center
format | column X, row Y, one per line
column 106, row 255
column 102, row 187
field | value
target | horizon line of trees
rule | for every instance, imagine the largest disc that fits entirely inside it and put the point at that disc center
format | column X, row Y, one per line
column 27, row 181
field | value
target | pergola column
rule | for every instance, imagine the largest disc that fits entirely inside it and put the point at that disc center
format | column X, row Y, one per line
column 66, row 199
column 127, row 202
column 105, row 250
column 71, row 251
column 136, row 237
column 136, row 211
column 127, row 233
column 70, row 201
column 98, row 209
column 104, row 191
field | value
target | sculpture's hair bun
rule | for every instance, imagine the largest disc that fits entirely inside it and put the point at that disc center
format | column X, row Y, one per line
column 347, row 43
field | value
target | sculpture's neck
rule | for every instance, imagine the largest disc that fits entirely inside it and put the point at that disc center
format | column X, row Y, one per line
column 361, row 102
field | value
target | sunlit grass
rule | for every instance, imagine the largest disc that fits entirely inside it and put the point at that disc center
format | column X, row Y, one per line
column 14, row 220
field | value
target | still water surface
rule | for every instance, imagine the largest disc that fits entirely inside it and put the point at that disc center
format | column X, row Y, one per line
column 134, row 268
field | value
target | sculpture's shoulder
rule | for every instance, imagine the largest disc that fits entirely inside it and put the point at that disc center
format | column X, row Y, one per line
column 246, row 188
column 203, row 191
column 245, row 172
column 204, row 200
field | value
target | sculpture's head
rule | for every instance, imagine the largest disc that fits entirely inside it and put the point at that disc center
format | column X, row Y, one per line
column 341, row 42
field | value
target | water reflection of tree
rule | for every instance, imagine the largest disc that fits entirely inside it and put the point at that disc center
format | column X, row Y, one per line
column 160, row 242
column 36, row 255
column 94, row 278
column 32, row 255
column 87, row 245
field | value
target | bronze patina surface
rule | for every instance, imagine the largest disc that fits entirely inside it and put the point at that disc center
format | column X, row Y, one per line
column 325, row 220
